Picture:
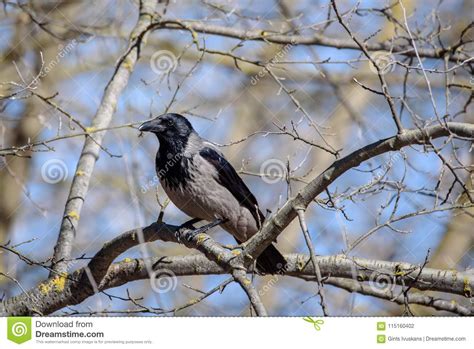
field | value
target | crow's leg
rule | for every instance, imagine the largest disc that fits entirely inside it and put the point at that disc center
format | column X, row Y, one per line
column 189, row 225
column 189, row 235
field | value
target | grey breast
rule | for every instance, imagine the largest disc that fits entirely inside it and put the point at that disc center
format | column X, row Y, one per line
column 202, row 196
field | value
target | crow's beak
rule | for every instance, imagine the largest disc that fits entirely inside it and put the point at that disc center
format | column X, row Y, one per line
column 150, row 126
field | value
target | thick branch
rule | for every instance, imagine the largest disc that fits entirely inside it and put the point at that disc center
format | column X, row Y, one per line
column 399, row 298
column 244, row 282
column 60, row 291
column 91, row 149
column 296, row 39
column 274, row 226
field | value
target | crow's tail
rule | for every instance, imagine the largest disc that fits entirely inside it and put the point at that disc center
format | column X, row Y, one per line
column 271, row 261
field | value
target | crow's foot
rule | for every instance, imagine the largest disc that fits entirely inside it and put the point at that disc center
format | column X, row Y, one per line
column 188, row 231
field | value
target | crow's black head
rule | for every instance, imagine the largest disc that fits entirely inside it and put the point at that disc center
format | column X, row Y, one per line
column 174, row 132
column 169, row 127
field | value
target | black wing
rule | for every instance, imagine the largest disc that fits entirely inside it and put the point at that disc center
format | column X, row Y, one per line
column 229, row 178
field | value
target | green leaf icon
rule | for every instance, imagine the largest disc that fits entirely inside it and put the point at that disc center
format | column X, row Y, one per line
column 19, row 329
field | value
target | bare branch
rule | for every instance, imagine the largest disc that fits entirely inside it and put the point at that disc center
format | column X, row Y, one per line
column 90, row 151
column 281, row 38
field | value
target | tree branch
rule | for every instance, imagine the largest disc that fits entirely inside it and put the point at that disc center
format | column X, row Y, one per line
column 91, row 149
column 252, row 294
column 398, row 297
column 309, row 39
column 63, row 290
column 277, row 223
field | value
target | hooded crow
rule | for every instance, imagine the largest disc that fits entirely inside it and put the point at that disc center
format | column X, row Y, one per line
column 203, row 184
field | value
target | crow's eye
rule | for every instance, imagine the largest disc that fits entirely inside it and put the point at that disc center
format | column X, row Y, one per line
column 169, row 123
